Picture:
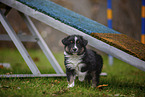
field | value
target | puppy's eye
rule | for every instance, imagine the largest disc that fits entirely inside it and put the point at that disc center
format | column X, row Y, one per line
column 78, row 41
column 71, row 41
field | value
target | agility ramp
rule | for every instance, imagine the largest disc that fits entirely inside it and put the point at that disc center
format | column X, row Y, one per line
column 69, row 22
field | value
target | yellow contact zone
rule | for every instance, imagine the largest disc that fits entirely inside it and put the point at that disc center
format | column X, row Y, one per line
column 143, row 12
column 109, row 14
column 143, row 39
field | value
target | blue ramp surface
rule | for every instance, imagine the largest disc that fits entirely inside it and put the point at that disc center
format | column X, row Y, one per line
column 68, row 17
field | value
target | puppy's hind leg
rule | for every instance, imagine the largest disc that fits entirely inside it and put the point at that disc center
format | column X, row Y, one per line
column 95, row 79
column 88, row 78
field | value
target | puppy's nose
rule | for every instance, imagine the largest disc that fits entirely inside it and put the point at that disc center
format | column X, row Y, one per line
column 74, row 49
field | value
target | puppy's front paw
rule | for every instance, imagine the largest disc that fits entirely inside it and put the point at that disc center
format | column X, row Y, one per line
column 81, row 76
column 71, row 85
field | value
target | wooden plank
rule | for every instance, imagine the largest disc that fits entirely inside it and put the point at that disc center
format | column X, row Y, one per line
column 32, row 75
column 23, row 38
column 41, row 75
column 70, row 30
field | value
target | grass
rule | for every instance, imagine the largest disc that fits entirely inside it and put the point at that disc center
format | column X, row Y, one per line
column 122, row 79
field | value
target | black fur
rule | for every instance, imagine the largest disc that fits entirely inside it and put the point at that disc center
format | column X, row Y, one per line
column 92, row 62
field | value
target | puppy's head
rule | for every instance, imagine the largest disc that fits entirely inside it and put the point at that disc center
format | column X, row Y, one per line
column 74, row 44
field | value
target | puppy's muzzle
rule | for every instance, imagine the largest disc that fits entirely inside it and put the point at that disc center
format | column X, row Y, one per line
column 74, row 49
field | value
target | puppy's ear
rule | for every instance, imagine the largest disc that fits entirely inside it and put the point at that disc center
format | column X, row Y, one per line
column 64, row 41
column 85, row 42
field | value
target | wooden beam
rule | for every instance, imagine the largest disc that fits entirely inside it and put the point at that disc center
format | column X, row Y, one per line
column 41, row 75
column 23, row 38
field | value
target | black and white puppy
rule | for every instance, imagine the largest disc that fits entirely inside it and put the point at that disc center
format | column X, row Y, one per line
column 80, row 61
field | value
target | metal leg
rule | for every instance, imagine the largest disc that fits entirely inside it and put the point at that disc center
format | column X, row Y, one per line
column 41, row 75
column 110, row 60
column 19, row 45
column 42, row 44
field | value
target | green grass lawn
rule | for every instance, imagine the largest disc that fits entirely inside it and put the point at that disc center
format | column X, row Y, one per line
column 122, row 79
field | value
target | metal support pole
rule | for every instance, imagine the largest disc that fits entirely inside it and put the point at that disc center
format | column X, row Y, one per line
column 109, row 17
column 42, row 44
column 19, row 45
column 143, row 22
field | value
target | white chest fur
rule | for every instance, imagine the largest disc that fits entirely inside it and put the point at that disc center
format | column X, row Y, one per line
column 74, row 62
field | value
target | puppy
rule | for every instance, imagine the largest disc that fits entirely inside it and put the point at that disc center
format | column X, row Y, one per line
column 80, row 61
